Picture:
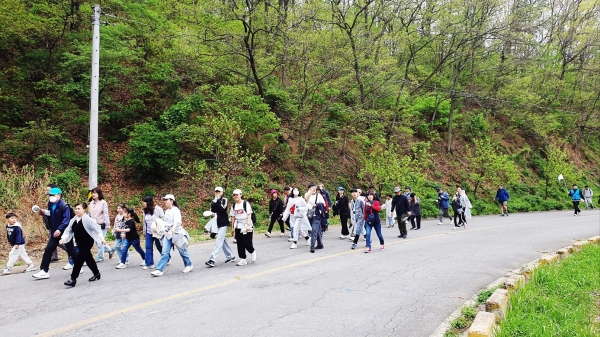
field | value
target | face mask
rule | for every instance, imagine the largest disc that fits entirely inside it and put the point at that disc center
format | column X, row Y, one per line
column 53, row 199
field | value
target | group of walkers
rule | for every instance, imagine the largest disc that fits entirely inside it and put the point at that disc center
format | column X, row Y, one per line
column 77, row 229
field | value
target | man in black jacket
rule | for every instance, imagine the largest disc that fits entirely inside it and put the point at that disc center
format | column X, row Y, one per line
column 219, row 209
column 400, row 205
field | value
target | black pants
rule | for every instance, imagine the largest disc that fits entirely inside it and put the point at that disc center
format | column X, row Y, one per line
column 244, row 243
column 51, row 247
column 460, row 215
column 418, row 220
column 402, row 224
column 576, row 207
column 85, row 255
column 344, row 221
column 278, row 219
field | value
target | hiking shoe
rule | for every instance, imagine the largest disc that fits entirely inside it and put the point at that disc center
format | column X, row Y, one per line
column 121, row 266
column 354, row 246
column 156, row 273
column 320, row 247
column 268, row 234
column 294, row 246
column 242, row 262
column 188, row 269
column 42, row 274
column 368, row 250
column 210, row 263
column 312, row 250
column 6, row 271
column 230, row 260
column 31, row 267
column 68, row 266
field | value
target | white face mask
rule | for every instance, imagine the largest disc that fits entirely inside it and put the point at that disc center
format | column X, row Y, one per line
column 53, row 199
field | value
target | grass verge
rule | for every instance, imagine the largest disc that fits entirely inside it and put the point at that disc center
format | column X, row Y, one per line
column 560, row 300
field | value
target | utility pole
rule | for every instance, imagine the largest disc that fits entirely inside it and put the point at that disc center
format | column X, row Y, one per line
column 93, row 159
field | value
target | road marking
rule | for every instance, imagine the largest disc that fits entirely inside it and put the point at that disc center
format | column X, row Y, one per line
column 118, row 312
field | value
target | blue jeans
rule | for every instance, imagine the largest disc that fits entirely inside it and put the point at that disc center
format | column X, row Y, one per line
column 150, row 250
column 102, row 248
column 71, row 262
column 315, row 234
column 166, row 255
column 119, row 243
column 377, row 227
column 136, row 245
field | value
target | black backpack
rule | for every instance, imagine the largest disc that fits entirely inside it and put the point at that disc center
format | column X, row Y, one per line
column 71, row 210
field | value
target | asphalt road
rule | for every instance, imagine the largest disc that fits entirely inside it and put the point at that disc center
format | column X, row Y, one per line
column 406, row 290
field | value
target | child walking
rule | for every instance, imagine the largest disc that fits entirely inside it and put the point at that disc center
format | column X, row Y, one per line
column 15, row 237
column 132, row 238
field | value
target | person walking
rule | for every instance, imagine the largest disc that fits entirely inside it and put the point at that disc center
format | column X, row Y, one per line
column 99, row 212
column 118, row 234
column 372, row 220
column 218, row 207
column 132, row 238
column 401, row 207
column 389, row 215
column 316, row 215
column 575, row 195
column 443, row 202
column 59, row 215
column 327, row 198
column 242, row 227
column 86, row 232
column 357, row 205
column 414, row 204
column 502, row 198
column 587, row 197
column 151, row 212
column 275, row 213
column 372, row 191
column 287, row 191
column 173, row 225
column 296, row 211
column 342, row 208
column 16, row 239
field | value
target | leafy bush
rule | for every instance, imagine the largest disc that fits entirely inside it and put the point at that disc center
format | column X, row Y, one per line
column 154, row 153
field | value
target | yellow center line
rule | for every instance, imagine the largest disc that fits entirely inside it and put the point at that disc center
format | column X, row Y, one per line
column 119, row 312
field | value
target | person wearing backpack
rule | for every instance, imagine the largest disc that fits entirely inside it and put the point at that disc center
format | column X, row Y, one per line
column 218, row 207
column 316, row 214
column 275, row 213
column 587, row 197
column 59, row 215
column 242, row 226
column 296, row 211
column 328, row 206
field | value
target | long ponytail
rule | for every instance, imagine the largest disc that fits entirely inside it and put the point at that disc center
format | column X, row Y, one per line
column 133, row 215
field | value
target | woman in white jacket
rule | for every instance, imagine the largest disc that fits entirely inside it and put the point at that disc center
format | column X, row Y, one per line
column 86, row 232
column 296, row 209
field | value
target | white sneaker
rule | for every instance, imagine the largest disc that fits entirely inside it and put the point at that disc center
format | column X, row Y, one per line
column 242, row 262
column 268, row 234
column 148, row 267
column 290, row 240
column 143, row 264
column 156, row 273
column 307, row 242
column 6, row 271
column 234, row 241
column 294, row 246
column 126, row 263
column 41, row 275
column 31, row 267
column 253, row 256
column 188, row 269
column 281, row 235
column 351, row 238
column 342, row 237
column 169, row 262
column 440, row 223
column 121, row 266
column 68, row 266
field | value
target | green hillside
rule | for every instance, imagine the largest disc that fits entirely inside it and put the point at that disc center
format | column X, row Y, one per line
column 257, row 94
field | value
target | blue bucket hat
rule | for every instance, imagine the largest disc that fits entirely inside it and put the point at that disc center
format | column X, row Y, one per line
column 340, row 188
column 55, row 191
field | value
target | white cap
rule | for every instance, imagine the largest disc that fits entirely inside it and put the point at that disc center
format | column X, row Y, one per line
column 219, row 188
column 169, row 196
column 237, row 191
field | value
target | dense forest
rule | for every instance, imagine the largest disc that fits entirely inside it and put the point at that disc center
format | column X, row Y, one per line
column 257, row 94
